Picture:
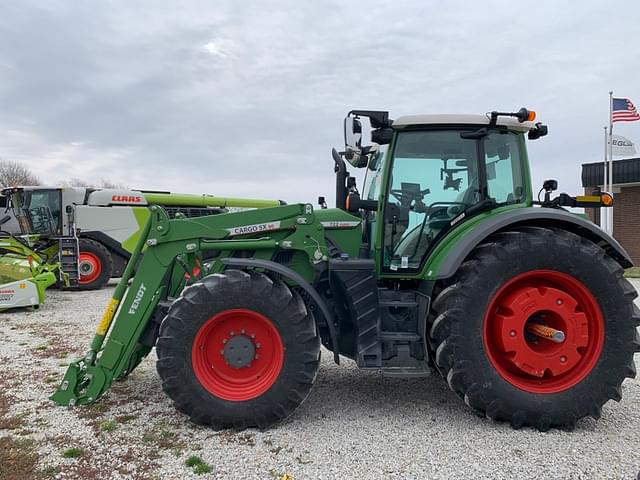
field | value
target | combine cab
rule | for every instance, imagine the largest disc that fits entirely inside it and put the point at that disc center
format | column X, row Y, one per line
column 445, row 265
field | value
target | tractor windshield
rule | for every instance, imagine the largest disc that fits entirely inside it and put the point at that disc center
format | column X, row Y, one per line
column 435, row 176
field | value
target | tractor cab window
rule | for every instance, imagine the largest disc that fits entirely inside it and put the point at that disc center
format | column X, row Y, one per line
column 504, row 168
column 434, row 178
column 372, row 187
column 373, row 181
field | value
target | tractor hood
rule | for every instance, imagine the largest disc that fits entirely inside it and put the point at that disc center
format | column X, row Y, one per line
column 342, row 229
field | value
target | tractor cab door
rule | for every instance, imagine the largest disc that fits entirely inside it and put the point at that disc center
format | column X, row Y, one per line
column 435, row 176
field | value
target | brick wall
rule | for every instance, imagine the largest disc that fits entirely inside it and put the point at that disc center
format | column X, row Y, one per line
column 626, row 219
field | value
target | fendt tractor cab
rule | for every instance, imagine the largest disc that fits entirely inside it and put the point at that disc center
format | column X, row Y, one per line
column 444, row 264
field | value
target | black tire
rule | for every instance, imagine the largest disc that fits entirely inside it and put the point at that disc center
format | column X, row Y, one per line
column 457, row 329
column 98, row 253
column 216, row 294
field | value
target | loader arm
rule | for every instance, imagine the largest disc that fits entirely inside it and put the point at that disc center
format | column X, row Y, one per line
column 173, row 257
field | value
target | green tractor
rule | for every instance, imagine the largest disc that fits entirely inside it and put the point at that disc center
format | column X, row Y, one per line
column 444, row 265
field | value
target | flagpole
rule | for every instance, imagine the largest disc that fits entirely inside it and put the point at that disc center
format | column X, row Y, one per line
column 604, row 217
column 610, row 190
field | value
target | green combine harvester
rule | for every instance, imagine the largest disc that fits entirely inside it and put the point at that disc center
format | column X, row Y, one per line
column 79, row 238
column 445, row 264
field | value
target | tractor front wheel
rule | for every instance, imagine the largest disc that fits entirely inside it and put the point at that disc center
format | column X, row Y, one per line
column 538, row 328
column 238, row 350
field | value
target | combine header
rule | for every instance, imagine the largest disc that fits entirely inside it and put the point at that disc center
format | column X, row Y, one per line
column 24, row 274
column 445, row 265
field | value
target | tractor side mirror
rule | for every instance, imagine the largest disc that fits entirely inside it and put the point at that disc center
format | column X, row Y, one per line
column 540, row 130
column 353, row 134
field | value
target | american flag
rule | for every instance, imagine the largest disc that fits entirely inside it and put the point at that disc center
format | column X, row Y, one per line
column 624, row 111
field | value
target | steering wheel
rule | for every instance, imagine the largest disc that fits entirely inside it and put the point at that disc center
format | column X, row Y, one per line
column 445, row 210
column 456, row 209
column 405, row 197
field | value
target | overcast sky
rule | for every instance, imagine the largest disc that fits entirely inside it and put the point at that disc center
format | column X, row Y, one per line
column 247, row 98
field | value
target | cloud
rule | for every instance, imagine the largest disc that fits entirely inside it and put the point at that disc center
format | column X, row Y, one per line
column 247, row 99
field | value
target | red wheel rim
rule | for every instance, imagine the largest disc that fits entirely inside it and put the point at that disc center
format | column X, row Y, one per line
column 90, row 267
column 536, row 364
column 237, row 354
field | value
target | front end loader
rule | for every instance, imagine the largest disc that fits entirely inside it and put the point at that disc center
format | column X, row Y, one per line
column 444, row 265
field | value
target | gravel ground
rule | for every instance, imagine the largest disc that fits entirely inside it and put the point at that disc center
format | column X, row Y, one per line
column 353, row 425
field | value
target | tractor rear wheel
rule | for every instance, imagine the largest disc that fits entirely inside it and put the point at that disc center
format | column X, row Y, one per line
column 238, row 350
column 94, row 265
column 538, row 329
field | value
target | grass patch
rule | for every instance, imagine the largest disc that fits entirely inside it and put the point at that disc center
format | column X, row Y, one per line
column 108, row 425
column 633, row 272
column 125, row 418
column 18, row 460
column 198, row 465
column 164, row 439
column 73, row 452
column 42, row 347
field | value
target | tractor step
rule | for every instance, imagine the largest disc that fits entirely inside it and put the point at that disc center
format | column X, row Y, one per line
column 69, row 254
column 406, row 372
column 357, row 285
column 399, row 337
column 395, row 303
column 404, row 364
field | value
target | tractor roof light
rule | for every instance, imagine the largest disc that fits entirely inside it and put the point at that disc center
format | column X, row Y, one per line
column 522, row 115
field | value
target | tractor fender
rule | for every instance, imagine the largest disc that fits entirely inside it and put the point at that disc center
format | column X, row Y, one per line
column 301, row 282
column 531, row 216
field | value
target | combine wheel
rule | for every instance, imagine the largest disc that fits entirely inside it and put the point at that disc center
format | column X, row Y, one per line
column 95, row 265
column 238, row 350
column 538, row 329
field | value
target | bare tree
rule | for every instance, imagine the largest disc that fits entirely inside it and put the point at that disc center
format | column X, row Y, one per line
column 78, row 182
column 106, row 183
column 75, row 182
column 14, row 173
